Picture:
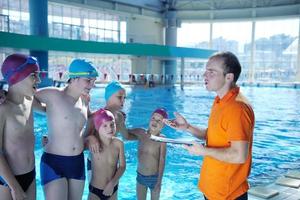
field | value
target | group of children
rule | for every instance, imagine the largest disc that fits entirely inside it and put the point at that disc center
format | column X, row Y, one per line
column 107, row 152
column 67, row 109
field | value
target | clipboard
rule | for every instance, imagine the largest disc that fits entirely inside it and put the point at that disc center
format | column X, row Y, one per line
column 170, row 140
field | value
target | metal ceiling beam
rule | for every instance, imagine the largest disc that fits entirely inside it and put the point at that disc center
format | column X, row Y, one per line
column 196, row 9
column 38, row 43
column 245, row 13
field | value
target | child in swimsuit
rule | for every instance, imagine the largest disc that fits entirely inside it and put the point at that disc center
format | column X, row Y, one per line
column 62, row 163
column 108, row 165
column 151, row 156
column 17, row 167
column 115, row 97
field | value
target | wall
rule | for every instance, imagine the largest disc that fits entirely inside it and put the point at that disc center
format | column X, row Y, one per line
column 147, row 31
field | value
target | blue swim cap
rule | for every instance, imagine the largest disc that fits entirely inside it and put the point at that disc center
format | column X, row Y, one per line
column 81, row 68
column 112, row 88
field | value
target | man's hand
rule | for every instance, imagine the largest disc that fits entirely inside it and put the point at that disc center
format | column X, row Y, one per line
column 179, row 122
column 195, row 149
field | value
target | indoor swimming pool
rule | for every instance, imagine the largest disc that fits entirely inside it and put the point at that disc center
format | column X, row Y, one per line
column 276, row 136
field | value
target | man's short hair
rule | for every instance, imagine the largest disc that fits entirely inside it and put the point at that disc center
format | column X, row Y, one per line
column 231, row 63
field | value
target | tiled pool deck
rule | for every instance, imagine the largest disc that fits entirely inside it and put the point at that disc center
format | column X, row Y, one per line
column 286, row 187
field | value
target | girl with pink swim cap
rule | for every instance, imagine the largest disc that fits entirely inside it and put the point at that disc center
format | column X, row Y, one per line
column 151, row 155
column 115, row 94
column 108, row 165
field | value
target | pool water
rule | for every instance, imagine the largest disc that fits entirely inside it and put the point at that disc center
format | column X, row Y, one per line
column 276, row 136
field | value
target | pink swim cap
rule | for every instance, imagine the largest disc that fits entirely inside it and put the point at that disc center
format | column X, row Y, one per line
column 102, row 116
column 162, row 112
column 17, row 67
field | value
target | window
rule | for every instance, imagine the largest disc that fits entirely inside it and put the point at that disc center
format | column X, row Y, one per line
column 234, row 37
column 276, row 49
column 198, row 38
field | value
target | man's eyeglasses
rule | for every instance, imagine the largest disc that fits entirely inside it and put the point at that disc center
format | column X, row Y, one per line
column 29, row 61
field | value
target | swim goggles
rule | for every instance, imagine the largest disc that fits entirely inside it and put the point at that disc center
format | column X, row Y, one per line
column 29, row 61
column 80, row 74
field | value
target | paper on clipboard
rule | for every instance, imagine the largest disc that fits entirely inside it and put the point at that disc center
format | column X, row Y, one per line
column 170, row 140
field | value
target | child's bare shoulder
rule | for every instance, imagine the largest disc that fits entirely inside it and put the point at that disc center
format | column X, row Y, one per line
column 6, row 107
column 50, row 90
column 121, row 114
column 120, row 117
column 117, row 141
column 48, row 94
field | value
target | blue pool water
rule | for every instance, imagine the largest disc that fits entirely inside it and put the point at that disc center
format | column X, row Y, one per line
column 276, row 136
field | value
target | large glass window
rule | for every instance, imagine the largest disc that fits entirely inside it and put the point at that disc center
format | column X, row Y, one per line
column 4, row 25
column 64, row 21
column 195, row 35
column 276, row 49
column 84, row 24
column 14, row 16
column 234, row 37
column 123, row 32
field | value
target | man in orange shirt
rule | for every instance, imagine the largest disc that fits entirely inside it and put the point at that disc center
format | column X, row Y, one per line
column 229, row 135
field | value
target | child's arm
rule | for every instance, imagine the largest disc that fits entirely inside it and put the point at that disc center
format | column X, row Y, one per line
column 5, row 171
column 133, row 134
column 46, row 95
column 90, row 128
column 127, row 134
column 3, row 94
column 137, row 133
column 161, row 166
column 90, row 141
column 121, row 127
column 108, row 190
column 38, row 106
column 87, row 99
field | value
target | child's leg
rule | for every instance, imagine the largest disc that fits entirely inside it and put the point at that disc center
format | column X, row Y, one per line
column 57, row 189
column 141, row 191
column 155, row 195
column 93, row 197
column 31, row 191
column 75, row 189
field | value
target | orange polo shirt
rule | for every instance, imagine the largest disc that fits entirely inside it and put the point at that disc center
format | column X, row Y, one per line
column 231, row 119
